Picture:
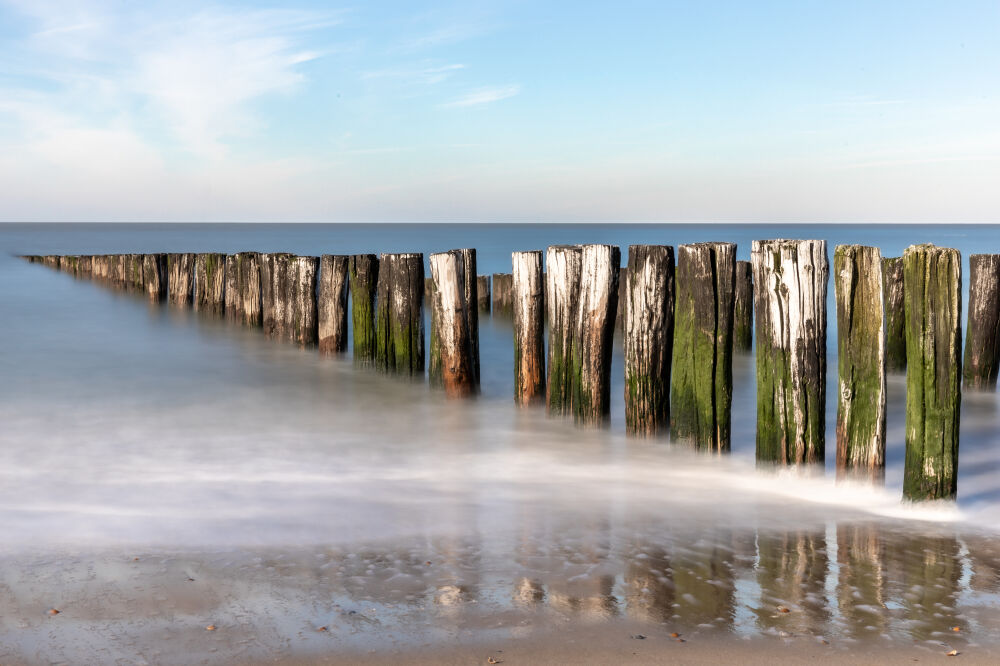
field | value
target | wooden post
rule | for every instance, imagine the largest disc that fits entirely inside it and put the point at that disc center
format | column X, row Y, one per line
column 87, row 266
column 483, row 293
column 304, row 323
column 622, row 283
column 982, row 336
column 332, row 304
column 595, row 331
column 932, row 290
column 210, row 283
column 562, row 303
column 857, row 273
column 154, row 276
column 790, row 281
column 399, row 319
column 363, row 279
column 895, row 317
column 243, row 288
column 135, row 273
column 502, row 299
column 471, row 288
column 275, row 292
column 529, row 327
column 451, row 349
column 118, row 270
column 743, row 308
column 648, row 332
column 180, row 280
column 701, row 384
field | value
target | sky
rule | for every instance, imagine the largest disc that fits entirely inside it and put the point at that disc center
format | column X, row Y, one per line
column 468, row 111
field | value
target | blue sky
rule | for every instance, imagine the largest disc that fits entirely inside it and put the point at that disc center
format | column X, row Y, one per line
column 500, row 111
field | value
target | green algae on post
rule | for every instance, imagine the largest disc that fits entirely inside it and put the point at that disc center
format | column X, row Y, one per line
column 701, row 383
column 243, row 288
column 790, row 285
column 210, row 283
column 154, row 276
column 861, row 400
column 483, row 293
column 895, row 317
column 363, row 276
column 648, row 332
column 932, row 289
column 180, row 278
column 562, row 303
column 502, row 294
column 743, row 308
column 982, row 335
column 529, row 327
column 399, row 319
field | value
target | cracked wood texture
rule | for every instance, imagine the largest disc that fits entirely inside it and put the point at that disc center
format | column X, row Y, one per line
column 154, row 276
column 288, row 297
column 134, row 273
column 790, row 285
column 562, row 302
column 471, row 288
column 857, row 274
column 210, row 283
column 331, row 304
column 452, row 367
column 483, row 293
column 648, row 338
column 243, row 288
column 595, row 332
column 529, row 327
column 399, row 319
column 363, row 278
column 982, row 335
column 180, row 278
column 701, row 384
column 932, row 290
column 895, row 317
column 502, row 294
column 743, row 308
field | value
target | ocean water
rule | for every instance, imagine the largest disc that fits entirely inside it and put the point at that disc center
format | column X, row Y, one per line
column 310, row 493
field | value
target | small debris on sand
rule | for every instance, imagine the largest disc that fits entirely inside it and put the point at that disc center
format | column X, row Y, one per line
column 783, row 609
column 675, row 635
column 54, row 611
column 638, row 637
column 210, row 627
column 956, row 629
column 491, row 660
column 323, row 629
column 953, row 653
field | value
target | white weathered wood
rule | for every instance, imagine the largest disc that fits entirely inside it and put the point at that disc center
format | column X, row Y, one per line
column 595, row 328
column 332, row 304
column 529, row 327
column 451, row 324
column 562, row 302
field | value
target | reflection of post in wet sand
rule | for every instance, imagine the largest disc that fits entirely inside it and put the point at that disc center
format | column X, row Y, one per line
column 587, row 584
column 929, row 570
column 862, row 580
column 791, row 572
column 704, row 581
column 984, row 556
column 649, row 588
column 457, row 573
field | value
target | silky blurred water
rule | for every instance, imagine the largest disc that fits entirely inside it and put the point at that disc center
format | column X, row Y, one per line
column 131, row 427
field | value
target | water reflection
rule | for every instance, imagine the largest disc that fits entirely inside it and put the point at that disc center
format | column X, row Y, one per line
column 792, row 567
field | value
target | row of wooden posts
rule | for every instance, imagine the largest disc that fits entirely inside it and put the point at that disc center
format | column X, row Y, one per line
column 681, row 322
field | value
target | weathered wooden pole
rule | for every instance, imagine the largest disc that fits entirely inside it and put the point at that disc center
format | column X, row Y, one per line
column 483, row 293
column 276, row 293
column 982, row 335
column 701, row 383
column 399, row 319
column 895, row 317
column 135, row 273
column 243, row 288
column 118, row 270
column 210, row 283
column 595, row 331
column 857, row 271
column 304, row 323
column 648, row 332
column 502, row 300
column 332, row 304
column 180, row 280
column 470, row 286
column 932, row 290
column 529, row 327
column 87, row 266
column 451, row 340
column 743, row 308
column 363, row 270
column 154, row 276
column 562, row 303
column 790, row 283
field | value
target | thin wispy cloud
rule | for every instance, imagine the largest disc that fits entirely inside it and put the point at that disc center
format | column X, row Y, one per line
column 482, row 96
column 427, row 75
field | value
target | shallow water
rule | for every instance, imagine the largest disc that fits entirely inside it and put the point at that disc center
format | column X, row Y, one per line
column 301, row 490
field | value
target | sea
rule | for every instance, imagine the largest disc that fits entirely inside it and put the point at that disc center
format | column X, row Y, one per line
column 162, row 470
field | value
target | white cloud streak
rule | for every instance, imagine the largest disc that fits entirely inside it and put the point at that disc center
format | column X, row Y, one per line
column 482, row 96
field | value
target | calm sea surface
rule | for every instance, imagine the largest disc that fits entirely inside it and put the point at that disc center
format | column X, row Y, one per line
column 308, row 491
